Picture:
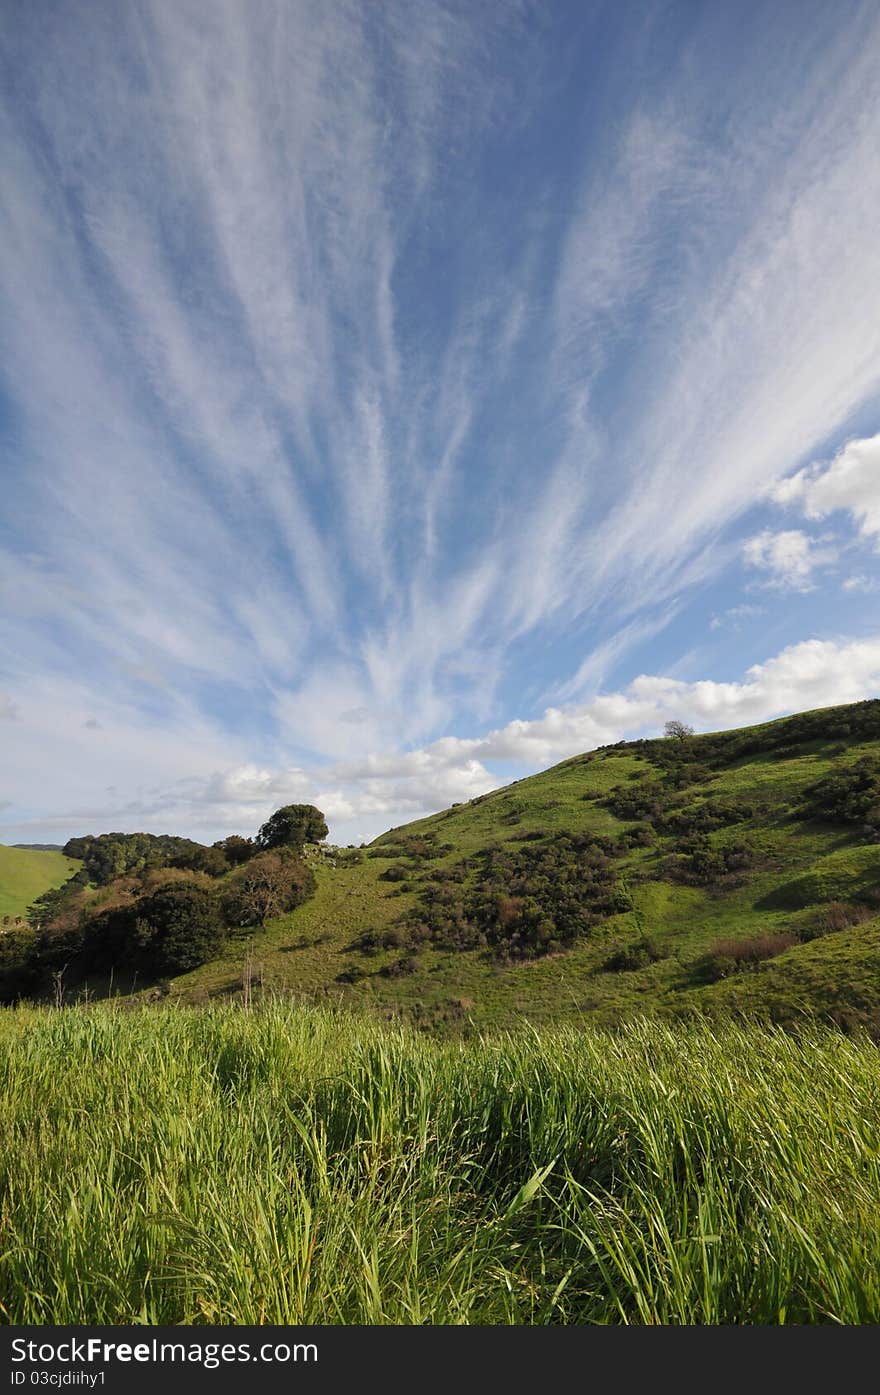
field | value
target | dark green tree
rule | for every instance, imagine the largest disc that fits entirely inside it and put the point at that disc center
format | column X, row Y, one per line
column 292, row 827
column 236, row 849
column 178, row 928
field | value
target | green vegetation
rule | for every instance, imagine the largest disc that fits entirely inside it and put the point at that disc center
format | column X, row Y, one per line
column 106, row 856
column 295, row 1165
column 171, row 909
column 25, row 873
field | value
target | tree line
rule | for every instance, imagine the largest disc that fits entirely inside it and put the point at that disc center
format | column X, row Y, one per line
column 157, row 905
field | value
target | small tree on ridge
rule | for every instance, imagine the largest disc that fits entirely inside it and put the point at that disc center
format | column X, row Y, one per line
column 678, row 730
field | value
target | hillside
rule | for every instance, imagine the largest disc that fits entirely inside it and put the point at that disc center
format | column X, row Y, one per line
column 738, row 890
column 731, row 872
column 26, row 874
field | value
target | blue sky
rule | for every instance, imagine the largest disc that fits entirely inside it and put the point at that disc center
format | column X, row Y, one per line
column 396, row 399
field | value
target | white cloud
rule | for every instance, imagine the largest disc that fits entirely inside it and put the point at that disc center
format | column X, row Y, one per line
column 364, row 795
column 789, row 558
column 850, row 482
column 734, row 616
column 814, row 673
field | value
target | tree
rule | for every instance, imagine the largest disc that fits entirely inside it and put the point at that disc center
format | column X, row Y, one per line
column 268, row 885
column 212, row 861
column 678, row 730
column 292, row 827
column 178, row 928
column 236, row 849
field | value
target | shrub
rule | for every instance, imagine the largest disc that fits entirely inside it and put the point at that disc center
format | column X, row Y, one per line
column 269, row 884
column 107, row 856
column 173, row 929
column 523, row 901
column 647, row 800
column 236, row 849
column 16, row 951
column 635, row 956
column 212, row 861
column 352, row 973
column 700, row 863
column 850, row 794
column 394, row 874
column 733, row 955
column 409, row 964
column 642, row 836
column 837, row 916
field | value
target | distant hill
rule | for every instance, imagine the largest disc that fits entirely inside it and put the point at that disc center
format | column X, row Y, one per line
column 26, row 873
column 733, row 872
column 40, row 847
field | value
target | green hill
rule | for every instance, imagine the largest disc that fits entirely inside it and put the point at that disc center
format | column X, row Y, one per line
column 25, row 874
column 736, row 871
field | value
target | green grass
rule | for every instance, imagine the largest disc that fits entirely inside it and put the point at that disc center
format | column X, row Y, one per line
column 298, row 1165
column 24, row 875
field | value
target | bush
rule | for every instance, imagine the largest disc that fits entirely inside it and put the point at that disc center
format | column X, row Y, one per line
column 525, row 901
column 409, row 964
column 107, row 856
column 734, row 955
column 837, row 916
column 850, row 794
column 635, row 956
column 352, row 973
column 173, row 929
column 212, row 861
column 394, row 874
column 16, row 950
column 236, row 849
column 700, row 863
column 269, row 884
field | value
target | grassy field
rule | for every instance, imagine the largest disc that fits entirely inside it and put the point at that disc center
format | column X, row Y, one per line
column 297, row 1165
column 24, row 875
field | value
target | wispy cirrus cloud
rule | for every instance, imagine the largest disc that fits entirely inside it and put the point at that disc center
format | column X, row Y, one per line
column 374, row 375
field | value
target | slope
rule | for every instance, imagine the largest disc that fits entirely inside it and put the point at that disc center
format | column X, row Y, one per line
column 732, row 872
column 26, row 873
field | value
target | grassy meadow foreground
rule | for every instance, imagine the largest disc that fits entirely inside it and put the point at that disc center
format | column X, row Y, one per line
column 294, row 1164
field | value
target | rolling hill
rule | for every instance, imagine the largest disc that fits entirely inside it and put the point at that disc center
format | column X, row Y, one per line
column 729, row 873
column 738, row 872
column 26, row 873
